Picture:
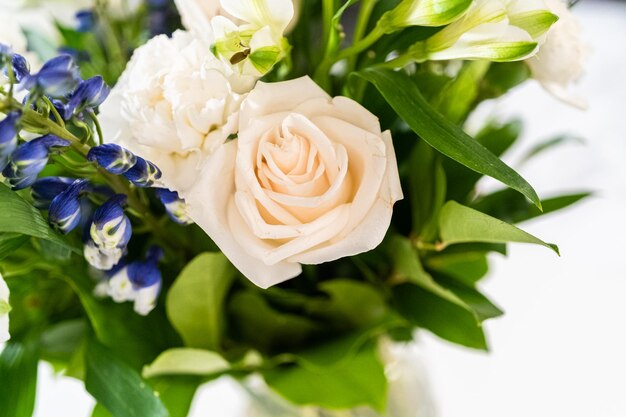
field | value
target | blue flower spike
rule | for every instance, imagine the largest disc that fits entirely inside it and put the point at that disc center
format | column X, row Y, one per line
column 8, row 137
column 86, row 20
column 44, row 190
column 89, row 94
column 112, row 158
column 175, row 207
column 143, row 173
column 65, row 209
column 57, row 78
column 146, row 279
column 111, row 228
column 29, row 159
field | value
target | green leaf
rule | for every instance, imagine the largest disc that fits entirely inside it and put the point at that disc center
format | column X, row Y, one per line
column 177, row 393
column 186, row 361
column 60, row 341
column 483, row 307
column 406, row 99
column 267, row 329
column 18, row 216
column 509, row 207
column 118, row 387
column 498, row 138
column 427, row 181
column 359, row 381
column 447, row 320
column 455, row 321
column 460, row 224
column 502, row 77
column 18, row 379
column 10, row 242
column 139, row 340
column 458, row 97
column 468, row 267
column 352, row 304
column 195, row 301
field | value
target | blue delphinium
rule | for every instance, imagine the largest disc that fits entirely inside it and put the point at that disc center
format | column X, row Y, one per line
column 45, row 189
column 174, row 206
column 57, row 78
column 112, row 158
column 65, row 209
column 8, row 137
column 111, row 228
column 29, row 159
column 138, row 281
column 88, row 95
column 86, row 20
column 143, row 173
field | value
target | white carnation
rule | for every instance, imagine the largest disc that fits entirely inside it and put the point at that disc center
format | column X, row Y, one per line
column 175, row 103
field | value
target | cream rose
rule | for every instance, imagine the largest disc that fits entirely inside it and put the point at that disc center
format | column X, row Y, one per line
column 4, row 311
column 310, row 179
column 175, row 103
column 560, row 62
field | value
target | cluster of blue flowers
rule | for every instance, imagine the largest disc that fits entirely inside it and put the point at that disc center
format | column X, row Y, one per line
column 107, row 229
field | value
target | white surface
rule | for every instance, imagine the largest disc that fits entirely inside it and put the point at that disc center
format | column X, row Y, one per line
column 560, row 349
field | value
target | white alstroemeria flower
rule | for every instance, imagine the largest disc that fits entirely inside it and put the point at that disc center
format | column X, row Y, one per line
column 5, row 308
column 197, row 15
column 175, row 103
column 560, row 61
column 423, row 13
column 256, row 44
column 495, row 30
column 309, row 179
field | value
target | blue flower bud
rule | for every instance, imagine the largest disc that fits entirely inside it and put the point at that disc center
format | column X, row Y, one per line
column 146, row 279
column 29, row 160
column 110, row 227
column 112, row 158
column 86, row 20
column 21, row 69
column 89, row 94
column 174, row 206
column 143, row 173
column 44, row 190
column 8, row 137
column 101, row 258
column 57, row 78
column 65, row 209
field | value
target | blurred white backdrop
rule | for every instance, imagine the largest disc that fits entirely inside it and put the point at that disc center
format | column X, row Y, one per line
column 560, row 349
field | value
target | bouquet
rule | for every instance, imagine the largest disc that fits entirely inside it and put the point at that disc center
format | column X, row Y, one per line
column 271, row 190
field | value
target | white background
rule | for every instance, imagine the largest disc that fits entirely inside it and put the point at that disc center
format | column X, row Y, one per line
column 560, row 350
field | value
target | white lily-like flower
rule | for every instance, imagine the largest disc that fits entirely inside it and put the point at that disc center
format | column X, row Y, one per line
column 256, row 44
column 495, row 30
column 5, row 308
column 423, row 13
column 560, row 61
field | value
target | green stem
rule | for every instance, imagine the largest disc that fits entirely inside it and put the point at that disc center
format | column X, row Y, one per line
column 358, row 47
column 55, row 112
column 96, row 123
column 367, row 6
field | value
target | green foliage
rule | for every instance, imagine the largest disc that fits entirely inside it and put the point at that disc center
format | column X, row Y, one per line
column 404, row 96
column 425, row 303
column 10, row 242
column 17, row 216
column 186, row 361
column 460, row 224
column 195, row 301
column 18, row 378
column 360, row 380
column 118, row 387
column 508, row 207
